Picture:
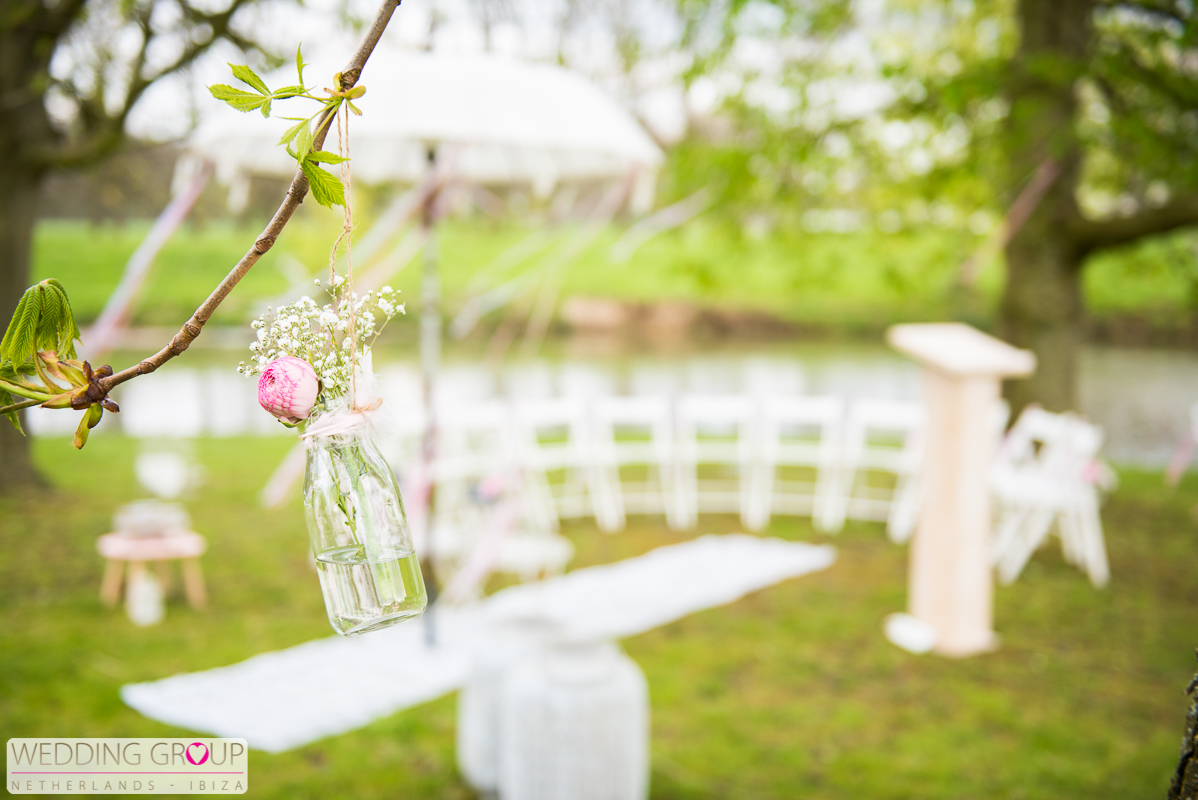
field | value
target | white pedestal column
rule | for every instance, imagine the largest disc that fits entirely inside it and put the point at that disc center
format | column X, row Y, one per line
column 951, row 582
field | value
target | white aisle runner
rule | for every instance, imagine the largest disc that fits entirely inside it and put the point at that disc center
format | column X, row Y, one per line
column 286, row 699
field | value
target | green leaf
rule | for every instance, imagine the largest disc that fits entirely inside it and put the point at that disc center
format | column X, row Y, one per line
column 303, row 143
column 12, row 380
column 325, row 157
column 27, row 390
column 20, row 340
column 287, row 91
column 50, row 320
column 41, row 321
column 299, row 64
column 242, row 101
column 68, row 332
column 293, row 131
column 247, row 75
column 91, row 418
column 6, row 399
column 326, row 188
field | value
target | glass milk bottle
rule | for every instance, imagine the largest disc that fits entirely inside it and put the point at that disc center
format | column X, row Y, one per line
column 360, row 536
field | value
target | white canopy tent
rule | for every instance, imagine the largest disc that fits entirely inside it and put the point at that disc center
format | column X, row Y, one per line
column 494, row 121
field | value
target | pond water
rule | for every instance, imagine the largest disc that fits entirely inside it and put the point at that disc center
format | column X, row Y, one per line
column 1140, row 397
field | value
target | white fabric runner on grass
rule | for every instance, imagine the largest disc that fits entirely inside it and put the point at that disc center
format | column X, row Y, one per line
column 286, row 699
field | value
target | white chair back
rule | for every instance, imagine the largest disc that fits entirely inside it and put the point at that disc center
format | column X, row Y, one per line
column 799, row 433
column 880, row 460
column 718, row 433
column 556, row 453
column 634, row 449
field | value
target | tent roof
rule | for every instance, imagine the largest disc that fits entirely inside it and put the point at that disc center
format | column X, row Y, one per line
column 492, row 120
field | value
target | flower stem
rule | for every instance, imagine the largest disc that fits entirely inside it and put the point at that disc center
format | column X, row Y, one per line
column 20, row 405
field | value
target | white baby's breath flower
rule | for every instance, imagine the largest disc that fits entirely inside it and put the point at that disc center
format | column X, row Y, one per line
column 318, row 334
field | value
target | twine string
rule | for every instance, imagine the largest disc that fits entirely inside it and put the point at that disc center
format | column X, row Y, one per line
column 346, row 235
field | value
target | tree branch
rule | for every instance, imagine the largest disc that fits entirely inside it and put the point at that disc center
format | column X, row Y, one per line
column 295, row 195
column 1096, row 235
column 104, row 129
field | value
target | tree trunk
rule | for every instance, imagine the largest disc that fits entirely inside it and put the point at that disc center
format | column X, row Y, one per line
column 26, row 46
column 18, row 201
column 1042, row 306
column 1043, row 309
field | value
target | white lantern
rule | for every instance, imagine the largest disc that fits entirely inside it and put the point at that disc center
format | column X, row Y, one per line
column 143, row 600
column 575, row 724
column 506, row 646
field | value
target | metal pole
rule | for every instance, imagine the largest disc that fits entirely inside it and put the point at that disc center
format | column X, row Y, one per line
column 430, row 359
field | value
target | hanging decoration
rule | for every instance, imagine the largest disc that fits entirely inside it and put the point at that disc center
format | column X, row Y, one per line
column 313, row 364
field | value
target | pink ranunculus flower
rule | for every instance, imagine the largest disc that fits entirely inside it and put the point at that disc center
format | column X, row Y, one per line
column 288, row 388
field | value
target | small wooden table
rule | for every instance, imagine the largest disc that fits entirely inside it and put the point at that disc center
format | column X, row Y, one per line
column 951, row 585
column 186, row 546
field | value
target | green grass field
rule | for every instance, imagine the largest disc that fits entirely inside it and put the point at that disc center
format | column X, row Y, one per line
column 790, row 692
column 843, row 281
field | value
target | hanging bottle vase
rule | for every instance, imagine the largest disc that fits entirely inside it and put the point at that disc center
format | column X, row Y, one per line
column 368, row 569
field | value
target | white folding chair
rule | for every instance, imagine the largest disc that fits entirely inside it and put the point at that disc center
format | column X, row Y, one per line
column 463, row 384
column 487, row 520
column 880, row 460
column 1045, row 473
column 472, row 450
column 473, row 444
column 715, row 434
column 555, row 451
column 773, row 377
column 799, row 435
column 633, row 449
column 400, row 389
column 585, row 381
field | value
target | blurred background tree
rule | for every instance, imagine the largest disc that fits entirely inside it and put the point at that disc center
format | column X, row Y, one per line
column 1078, row 116
column 71, row 72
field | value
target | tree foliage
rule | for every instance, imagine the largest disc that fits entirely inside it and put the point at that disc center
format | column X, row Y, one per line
column 908, row 106
column 327, row 188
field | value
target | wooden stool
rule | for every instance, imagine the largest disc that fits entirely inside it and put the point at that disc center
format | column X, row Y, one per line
column 186, row 546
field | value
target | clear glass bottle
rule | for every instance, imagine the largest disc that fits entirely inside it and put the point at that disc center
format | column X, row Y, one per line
column 368, row 569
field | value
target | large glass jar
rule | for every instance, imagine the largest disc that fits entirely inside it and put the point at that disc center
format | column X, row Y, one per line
column 368, row 569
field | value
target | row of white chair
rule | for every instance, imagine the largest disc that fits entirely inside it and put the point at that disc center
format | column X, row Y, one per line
column 614, row 456
column 544, row 461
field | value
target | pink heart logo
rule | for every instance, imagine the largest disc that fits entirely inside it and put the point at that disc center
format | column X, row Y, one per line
column 202, row 748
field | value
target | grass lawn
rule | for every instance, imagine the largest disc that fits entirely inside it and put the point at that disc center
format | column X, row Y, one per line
column 864, row 280
column 791, row 692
